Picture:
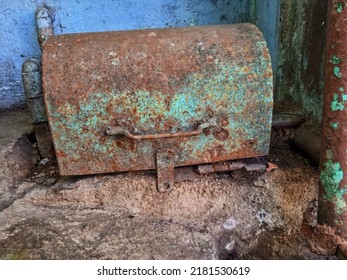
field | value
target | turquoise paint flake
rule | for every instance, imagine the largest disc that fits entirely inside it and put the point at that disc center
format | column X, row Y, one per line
column 335, row 125
column 337, row 72
column 330, row 178
column 339, row 7
column 344, row 97
column 336, row 105
column 335, row 60
column 341, row 89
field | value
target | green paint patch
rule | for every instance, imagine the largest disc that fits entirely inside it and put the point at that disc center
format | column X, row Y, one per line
column 339, row 7
column 335, row 125
column 337, row 105
column 337, row 72
column 341, row 89
column 335, row 60
column 331, row 177
column 344, row 97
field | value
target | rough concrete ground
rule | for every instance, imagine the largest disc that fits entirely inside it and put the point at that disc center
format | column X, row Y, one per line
column 17, row 156
column 234, row 215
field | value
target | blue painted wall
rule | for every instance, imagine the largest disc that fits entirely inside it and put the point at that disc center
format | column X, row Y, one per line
column 267, row 13
column 18, row 35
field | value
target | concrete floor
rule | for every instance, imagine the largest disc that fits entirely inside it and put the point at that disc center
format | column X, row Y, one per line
column 233, row 215
column 12, row 125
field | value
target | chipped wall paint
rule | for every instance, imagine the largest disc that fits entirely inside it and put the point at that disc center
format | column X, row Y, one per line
column 18, row 36
column 294, row 31
column 300, row 72
column 267, row 13
column 337, row 72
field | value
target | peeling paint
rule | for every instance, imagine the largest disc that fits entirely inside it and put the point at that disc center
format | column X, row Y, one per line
column 331, row 177
column 301, row 32
column 337, row 105
column 339, row 7
column 335, row 60
column 337, row 72
column 335, row 125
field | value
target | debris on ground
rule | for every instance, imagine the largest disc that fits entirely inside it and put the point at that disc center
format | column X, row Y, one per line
column 235, row 214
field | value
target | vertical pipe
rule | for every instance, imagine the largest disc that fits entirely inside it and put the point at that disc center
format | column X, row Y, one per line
column 44, row 24
column 32, row 83
column 332, row 208
column 31, row 76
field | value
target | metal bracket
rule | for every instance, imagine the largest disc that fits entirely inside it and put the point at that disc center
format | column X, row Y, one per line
column 165, row 171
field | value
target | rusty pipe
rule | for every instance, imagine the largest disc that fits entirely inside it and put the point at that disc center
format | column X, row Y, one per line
column 332, row 208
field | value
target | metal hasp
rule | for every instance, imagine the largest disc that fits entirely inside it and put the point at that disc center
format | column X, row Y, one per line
column 332, row 208
column 157, row 98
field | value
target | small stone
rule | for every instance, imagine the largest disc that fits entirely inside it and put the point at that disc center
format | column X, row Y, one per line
column 39, row 180
column 44, row 161
column 230, row 224
column 50, row 181
column 230, row 245
column 259, row 182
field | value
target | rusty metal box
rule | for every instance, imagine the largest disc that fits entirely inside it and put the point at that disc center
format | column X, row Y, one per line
column 157, row 98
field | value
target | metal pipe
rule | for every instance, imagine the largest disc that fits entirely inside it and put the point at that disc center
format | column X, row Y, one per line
column 31, row 75
column 332, row 208
column 44, row 24
column 287, row 120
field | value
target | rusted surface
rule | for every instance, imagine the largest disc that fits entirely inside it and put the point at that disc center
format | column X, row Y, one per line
column 333, row 179
column 248, row 164
column 157, row 81
column 165, row 170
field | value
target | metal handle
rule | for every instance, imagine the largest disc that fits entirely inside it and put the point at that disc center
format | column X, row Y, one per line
column 117, row 130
